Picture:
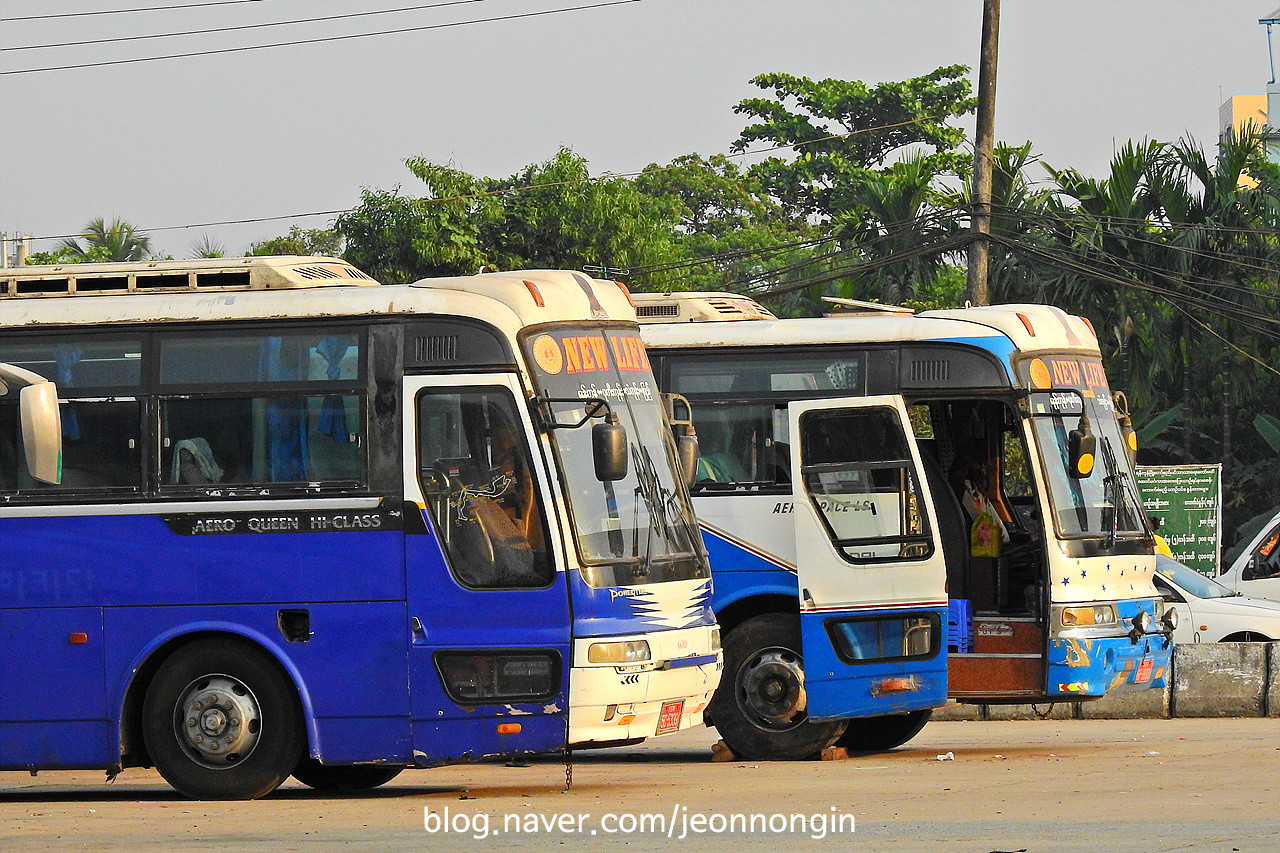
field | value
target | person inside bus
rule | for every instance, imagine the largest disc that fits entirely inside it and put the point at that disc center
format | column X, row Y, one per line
column 716, row 461
column 193, row 463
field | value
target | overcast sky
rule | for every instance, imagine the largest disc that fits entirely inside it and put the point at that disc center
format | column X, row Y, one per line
column 300, row 129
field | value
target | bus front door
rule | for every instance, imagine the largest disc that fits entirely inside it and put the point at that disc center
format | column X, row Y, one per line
column 488, row 612
column 872, row 580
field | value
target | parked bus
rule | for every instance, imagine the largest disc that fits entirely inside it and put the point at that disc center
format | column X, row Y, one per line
column 312, row 525
column 880, row 487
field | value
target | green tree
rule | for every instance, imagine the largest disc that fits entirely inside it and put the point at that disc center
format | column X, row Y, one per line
column 207, row 247
column 325, row 242
column 839, row 129
column 119, row 239
column 555, row 215
column 730, row 232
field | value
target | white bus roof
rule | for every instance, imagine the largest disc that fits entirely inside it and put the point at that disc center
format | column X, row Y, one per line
column 277, row 287
column 1029, row 327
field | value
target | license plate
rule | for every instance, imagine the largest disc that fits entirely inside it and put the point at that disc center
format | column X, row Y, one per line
column 1144, row 671
column 669, row 719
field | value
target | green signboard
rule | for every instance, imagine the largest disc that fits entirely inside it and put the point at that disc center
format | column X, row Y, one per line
column 1186, row 502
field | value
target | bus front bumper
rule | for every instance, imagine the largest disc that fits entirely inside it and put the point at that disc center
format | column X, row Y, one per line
column 627, row 702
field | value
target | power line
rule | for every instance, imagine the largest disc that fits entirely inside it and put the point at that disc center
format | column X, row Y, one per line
column 126, row 11
column 241, row 27
column 317, row 40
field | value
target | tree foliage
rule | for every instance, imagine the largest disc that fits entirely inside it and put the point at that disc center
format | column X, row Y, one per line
column 325, row 242
column 116, row 240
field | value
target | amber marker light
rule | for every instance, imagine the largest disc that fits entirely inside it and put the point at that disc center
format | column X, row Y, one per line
column 78, row 638
column 535, row 293
column 508, row 728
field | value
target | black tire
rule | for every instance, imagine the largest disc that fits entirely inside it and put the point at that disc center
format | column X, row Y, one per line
column 759, row 707
column 343, row 777
column 878, row 734
column 221, row 721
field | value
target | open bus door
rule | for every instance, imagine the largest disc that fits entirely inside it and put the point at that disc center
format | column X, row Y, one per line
column 871, row 573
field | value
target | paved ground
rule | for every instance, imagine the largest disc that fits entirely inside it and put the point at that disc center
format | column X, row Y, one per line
column 1091, row 785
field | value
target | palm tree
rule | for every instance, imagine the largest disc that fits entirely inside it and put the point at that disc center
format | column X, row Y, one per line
column 119, row 239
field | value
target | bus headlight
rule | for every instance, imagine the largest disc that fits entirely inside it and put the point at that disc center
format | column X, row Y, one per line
column 1169, row 617
column 1088, row 614
column 627, row 651
column 715, row 639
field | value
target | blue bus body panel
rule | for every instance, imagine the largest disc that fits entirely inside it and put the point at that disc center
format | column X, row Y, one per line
column 523, row 619
column 836, row 689
column 368, row 683
column 614, row 611
column 1089, row 669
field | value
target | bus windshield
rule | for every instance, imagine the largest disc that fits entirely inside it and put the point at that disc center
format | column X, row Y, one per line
column 639, row 529
column 1106, row 502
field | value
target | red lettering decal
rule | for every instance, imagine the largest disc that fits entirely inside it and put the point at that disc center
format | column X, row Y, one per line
column 619, row 351
column 571, row 356
column 600, row 351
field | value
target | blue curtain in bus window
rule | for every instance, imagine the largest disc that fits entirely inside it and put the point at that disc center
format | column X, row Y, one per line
column 286, row 417
column 67, row 356
column 333, row 414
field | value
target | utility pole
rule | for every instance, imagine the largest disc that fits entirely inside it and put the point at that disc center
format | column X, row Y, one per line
column 983, row 152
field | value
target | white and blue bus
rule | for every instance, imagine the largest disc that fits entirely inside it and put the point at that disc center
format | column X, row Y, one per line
column 904, row 508
column 312, row 525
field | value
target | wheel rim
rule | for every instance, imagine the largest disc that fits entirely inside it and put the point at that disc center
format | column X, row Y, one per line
column 218, row 721
column 771, row 690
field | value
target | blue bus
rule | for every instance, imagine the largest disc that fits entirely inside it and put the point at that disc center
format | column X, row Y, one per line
column 312, row 525
column 902, row 508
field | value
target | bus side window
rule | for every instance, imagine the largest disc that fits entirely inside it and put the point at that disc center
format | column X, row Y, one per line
column 477, row 476
column 261, row 440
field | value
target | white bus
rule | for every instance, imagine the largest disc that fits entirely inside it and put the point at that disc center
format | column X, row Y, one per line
column 312, row 525
column 904, row 507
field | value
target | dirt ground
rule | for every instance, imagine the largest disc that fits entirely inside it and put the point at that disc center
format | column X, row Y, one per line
column 1080, row 785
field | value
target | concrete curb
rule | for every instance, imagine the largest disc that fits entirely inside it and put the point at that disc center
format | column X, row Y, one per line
column 1207, row 680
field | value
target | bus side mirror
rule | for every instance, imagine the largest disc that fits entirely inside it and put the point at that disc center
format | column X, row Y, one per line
column 41, row 431
column 41, row 425
column 1127, row 433
column 680, row 414
column 687, row 453
column 609, row 450
column 1081, row 449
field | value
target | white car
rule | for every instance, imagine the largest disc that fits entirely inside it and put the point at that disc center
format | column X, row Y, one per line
column 1208, row 612
column 1256, row 571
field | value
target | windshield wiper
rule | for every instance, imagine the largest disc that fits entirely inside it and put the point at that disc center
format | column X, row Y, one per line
column 1117, row 481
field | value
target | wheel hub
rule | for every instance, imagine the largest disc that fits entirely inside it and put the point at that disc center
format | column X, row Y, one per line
column 218, row 721
column 771, row 689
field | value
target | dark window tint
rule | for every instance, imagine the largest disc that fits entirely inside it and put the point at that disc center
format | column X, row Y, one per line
column 239, row 359
column 78, row 364
column 281, row 439
column 100, row 448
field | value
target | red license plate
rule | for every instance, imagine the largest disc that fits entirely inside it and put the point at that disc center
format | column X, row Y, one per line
column 669, row 719
column 1144, row 671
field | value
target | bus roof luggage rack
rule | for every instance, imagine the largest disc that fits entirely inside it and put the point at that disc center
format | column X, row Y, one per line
column 691, row 307
column 253, row 273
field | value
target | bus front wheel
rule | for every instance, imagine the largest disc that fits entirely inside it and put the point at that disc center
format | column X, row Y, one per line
column 221, row 721
column 343, row 777
column 878, row 734
column 760, row 707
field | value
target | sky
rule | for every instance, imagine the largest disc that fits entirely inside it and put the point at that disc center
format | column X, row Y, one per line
column 287, row 135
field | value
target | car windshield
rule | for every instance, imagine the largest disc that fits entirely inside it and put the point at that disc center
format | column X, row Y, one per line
column 639, row 529
column 1106, row 502
column 1190, row 580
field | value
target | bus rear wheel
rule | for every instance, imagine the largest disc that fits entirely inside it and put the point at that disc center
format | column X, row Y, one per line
column 221, row 721
column 878, row 734
column 760, row 707
column 343, row 777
